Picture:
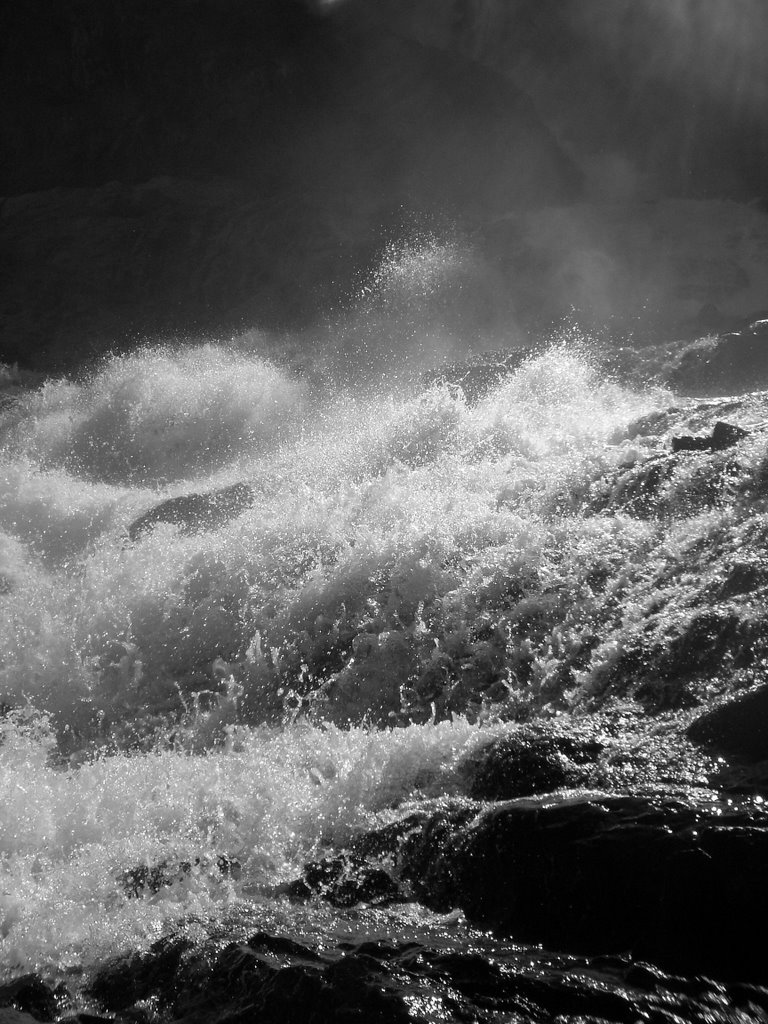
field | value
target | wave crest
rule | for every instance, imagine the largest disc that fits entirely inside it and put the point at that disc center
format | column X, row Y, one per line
column 157, row 416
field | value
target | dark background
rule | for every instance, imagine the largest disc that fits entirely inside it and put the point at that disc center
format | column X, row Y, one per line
column 198, row 166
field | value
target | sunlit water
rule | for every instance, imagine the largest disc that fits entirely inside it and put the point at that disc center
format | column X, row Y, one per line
column 169, row 699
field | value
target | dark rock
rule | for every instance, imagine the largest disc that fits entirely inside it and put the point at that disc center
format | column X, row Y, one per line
column 426, row 859
column 345, row 881
column 738, row 727
column 196, row 513
column 30, row 994
column 87, row 1018
column 723, row 436
column 273, row 978
column 684, row 886
column 530, row 762
column 726, row 434
column 9, row 1015
column 148, row 879
column 120, row 983
column 385, row 842
column 688, row 443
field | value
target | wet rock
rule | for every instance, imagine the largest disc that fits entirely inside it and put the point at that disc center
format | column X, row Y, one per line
column 120, row 983
column 31, row 995
column 530, row 762
column 148, row 879
column 681, row 885
column 738, row 728
column 270, row 978
column 723, row 436
column 273, row 978
column 345, row 881
column 196, row 513
column 425, row 858
column 92, row 1018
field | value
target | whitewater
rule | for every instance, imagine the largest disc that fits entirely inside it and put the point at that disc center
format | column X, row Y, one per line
column 222, row 703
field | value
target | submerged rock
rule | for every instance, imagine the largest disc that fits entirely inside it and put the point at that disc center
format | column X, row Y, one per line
column 196, row 513
column 149, row 879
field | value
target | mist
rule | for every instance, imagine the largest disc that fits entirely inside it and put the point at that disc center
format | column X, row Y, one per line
column 224, row 167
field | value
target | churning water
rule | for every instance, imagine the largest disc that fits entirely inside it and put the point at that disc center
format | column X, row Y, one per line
column 227, row 689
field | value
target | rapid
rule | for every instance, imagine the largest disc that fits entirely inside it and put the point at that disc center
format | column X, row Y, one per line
column 415, row 574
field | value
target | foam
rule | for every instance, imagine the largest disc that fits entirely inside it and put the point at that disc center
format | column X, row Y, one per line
column 156, row 416
column 270, row 798
column 367, row 507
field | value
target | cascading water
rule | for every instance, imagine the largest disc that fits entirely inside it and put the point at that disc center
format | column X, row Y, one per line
column 413, row 576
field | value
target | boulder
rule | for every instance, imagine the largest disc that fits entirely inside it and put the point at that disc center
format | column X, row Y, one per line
column 196, row 513
column 529, row 762
column 682, row 885
column 723, row 436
